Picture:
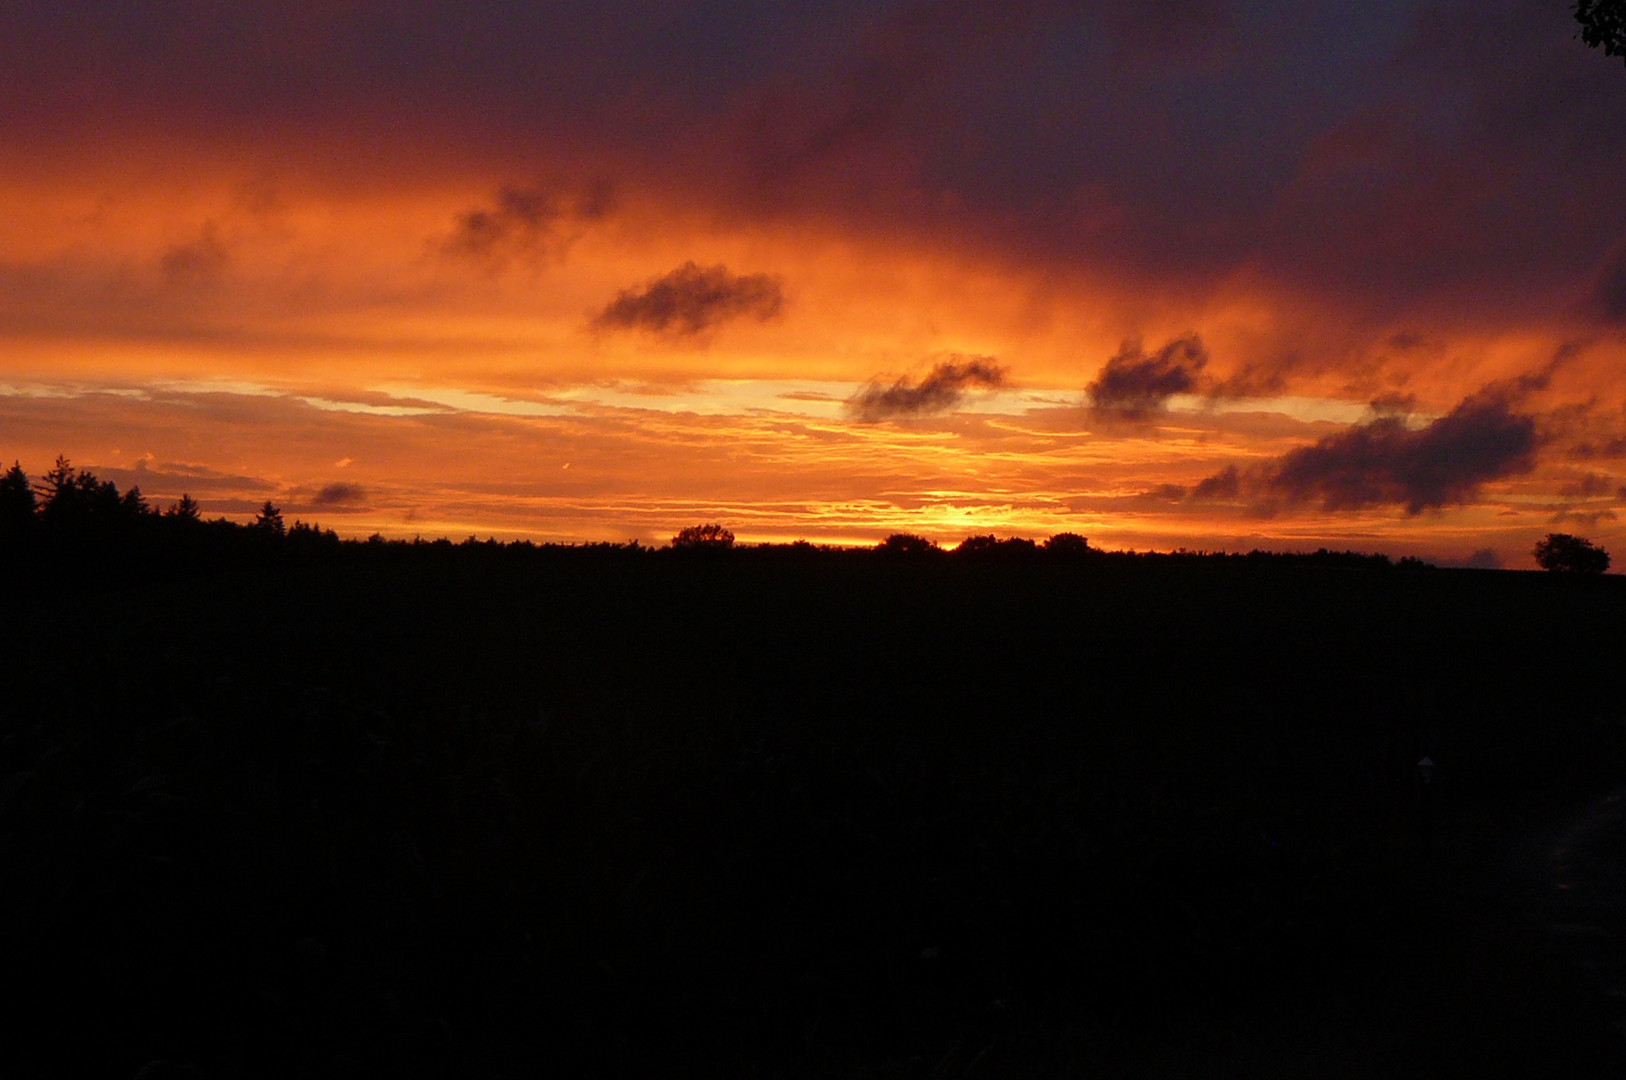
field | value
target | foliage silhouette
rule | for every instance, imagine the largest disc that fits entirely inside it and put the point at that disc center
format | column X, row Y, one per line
column 908, row 546
column 990, row 547
column 1603, row 25
column 186, row 509
column 269, row 520
column 1067, row 544
column 80, row 532
column 703, row 538
column 17, row 507
column 73, row 498
column 1566, row 554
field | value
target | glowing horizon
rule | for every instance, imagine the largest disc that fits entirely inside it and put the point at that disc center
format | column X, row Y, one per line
column 939, row 271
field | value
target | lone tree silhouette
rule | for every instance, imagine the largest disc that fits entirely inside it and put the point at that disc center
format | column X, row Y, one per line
column 711, row 537
column 16, row 495
column 1566, row 554
column 270, row 520
column 17, row 506
column 1603, row 25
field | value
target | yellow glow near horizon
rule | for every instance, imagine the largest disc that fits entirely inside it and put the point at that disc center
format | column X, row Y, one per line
column 241, row 333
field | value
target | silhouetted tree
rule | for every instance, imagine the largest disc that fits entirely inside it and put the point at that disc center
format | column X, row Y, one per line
column 906, row 544
column 711, row 537
column 308, row 538
column 16, row 494
column 133, row 504
column 1067, row 543
column 62, row 493
column 1563, row 553
column 1603, row 25
column 185, row 510
column 973, row 546
column 74, row 501
column 17, row 506
column 991, row 547
column 269, row 520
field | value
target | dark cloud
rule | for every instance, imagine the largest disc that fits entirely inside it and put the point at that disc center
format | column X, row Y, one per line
column 1393, row 404
column 1591, row 435
column 1589, row 486
column 1608, row 299
column 1223, row 485
column 692, row 299
column 1363, row 158
column 1410, row 341
column 518, row 217
column 198, row 262
column 939, row 391
column 1483, row 559
column 1164, row 493
column 1588, row 519
column 526, row 220
column 1134, row 384
column 339, row 495
column 1386, row 462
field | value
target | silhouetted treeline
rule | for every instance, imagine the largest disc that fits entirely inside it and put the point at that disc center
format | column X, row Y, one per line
column 83, row 527
column 71, row 520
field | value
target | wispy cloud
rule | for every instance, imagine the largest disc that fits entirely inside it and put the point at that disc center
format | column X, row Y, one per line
column 196, row 262
column 526, row 221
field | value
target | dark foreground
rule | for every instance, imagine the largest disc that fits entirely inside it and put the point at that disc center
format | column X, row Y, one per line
column 432, row 813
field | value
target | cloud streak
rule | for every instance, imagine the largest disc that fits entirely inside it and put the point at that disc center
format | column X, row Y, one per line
column 942, row 389
column 693, row 299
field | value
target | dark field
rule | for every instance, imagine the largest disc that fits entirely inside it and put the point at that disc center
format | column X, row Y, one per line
column 479, row 812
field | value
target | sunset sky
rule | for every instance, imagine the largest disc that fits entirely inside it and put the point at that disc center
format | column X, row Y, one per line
column 1214, row 274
